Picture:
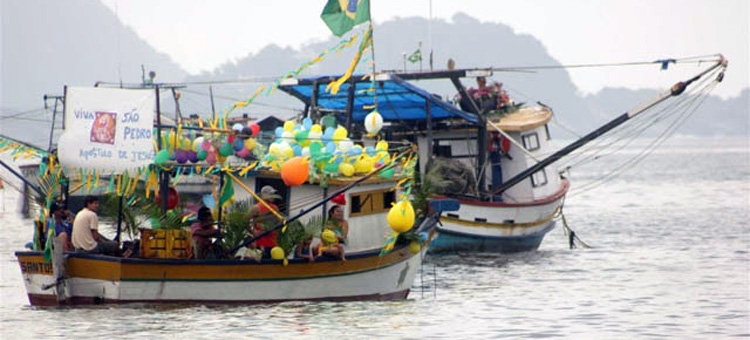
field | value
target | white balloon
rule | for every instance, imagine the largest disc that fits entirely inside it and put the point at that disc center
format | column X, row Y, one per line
column 373, row 122
column 345, row 145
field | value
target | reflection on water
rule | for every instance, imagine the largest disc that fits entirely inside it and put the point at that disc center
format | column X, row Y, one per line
column 670, row 258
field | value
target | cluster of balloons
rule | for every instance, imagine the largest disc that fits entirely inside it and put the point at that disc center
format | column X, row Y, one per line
column 182, row 149
column 308, row 149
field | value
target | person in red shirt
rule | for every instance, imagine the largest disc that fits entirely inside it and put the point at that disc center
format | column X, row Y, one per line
column 262, row 219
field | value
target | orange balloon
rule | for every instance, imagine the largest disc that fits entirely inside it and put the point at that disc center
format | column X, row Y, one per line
column 295, row 171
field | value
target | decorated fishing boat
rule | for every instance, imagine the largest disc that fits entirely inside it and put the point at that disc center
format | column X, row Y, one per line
column 491, row 154
column 112, row 132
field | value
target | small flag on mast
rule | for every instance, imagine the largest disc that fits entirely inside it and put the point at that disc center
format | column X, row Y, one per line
column 416, row 56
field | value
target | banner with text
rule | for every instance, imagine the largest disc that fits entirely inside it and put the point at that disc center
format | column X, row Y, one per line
column 106, row 129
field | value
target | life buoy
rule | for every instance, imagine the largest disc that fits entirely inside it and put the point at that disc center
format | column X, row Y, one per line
column 499, row 142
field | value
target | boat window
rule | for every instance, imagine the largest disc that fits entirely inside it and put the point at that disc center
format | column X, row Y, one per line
column 546, row 131
column 371, row 202
column 441, row 148
column 539, row 178
column 530, row 141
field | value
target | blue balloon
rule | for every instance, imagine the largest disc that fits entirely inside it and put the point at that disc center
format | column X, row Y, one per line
column 238, row 144
column 330, row 147
column 355, row 151
column 279, row 130
column 370, row 151
column 307, row 123
column 423, row 236
column 297, row 149
column 209, row 201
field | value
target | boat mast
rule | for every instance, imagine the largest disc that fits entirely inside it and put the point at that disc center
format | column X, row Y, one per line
column 674, row 91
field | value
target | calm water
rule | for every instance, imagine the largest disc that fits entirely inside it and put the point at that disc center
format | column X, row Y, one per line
column 670, row 259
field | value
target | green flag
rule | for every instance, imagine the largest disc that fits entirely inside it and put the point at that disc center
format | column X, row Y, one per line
column 226, row 194
column 415, row 57
column 342, row 15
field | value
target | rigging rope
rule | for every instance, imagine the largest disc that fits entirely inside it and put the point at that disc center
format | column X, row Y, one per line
column 674, row 115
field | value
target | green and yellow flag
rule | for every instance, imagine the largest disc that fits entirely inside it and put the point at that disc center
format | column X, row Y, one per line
column 342, row 15
column 226, row 194
column 416, row 56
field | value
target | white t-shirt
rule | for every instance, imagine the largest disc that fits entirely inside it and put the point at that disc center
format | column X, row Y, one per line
column 85, row 221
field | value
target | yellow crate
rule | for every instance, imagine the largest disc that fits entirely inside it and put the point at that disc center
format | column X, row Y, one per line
column 166, row 243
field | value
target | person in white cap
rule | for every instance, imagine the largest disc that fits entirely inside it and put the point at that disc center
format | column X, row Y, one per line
column 261, row 219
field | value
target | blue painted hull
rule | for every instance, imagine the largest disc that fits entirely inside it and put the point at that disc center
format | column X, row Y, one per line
column 450, row 241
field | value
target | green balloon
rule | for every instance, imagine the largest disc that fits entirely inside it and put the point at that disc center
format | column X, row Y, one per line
column 226, row 150
column 161, row 157
column 301, row 136
column 329, row 121
column 315, row 148
column 331, row 168
column 202, row 155
column 388, row 173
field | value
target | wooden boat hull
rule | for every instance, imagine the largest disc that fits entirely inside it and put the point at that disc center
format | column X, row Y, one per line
column 95, row 279
column 498, row 227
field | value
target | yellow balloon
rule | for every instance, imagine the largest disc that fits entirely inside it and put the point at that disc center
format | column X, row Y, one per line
column 197, row 144
column 250, row 144
column 363, row 164
column 401, row 216
column 277, row 253
column 288, row 126
column 316, row 128
column 414, row 247
column 381, row 146
column 339, row 134
column 275, row 150
column 346, row 169
column 328, row 236
column 288, row 153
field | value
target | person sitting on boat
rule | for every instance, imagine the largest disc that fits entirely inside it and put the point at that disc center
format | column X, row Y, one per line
column 261, row 219
column 85, row 235
column 304, row 249
column 337, row 223
column 61, row 222
column 334, row 234
column 203, row 230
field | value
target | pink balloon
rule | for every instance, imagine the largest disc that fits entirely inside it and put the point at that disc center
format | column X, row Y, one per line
column 243, row 153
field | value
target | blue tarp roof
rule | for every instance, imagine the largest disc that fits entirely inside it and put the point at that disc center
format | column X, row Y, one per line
column 397, row 99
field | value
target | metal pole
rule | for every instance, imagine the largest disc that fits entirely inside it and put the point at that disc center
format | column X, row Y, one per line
column 674, row 91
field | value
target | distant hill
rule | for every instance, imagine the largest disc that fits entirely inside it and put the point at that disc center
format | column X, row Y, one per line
column 714, row 116
column 48, row 44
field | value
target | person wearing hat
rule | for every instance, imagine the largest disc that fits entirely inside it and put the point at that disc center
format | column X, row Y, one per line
column 61, row 222
column 262, row 219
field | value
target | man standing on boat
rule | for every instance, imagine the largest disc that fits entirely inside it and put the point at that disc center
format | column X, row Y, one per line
column 86, row 237
column 261, row 218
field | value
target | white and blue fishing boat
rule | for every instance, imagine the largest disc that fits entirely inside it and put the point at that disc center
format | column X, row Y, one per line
column 496, row 158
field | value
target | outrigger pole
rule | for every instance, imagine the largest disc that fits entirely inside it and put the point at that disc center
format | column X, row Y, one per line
column 675, row 90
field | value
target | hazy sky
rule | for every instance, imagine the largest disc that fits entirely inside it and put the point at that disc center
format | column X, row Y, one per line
column 200, row 35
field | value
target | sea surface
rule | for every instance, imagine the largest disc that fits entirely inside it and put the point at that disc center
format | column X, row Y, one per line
column 669, row 258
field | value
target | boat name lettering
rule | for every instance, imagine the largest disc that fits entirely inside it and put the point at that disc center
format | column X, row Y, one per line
column 36, row 268
column 136, row 133
column 80, row 114
column 95, row 153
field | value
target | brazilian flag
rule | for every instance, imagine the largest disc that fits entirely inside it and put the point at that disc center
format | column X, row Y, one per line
column 415, row 57
column 226, row 193
column 342, row 15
